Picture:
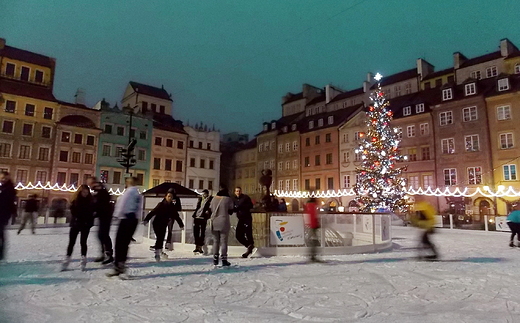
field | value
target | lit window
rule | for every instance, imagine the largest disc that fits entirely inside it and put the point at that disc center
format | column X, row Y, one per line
column 413, row 181
column 448, row 146
column 469, row 114
column 509, row 172
column 412, row 154
column 474, row 175
column 410, row 131
column 472, row 143
column 450, row 176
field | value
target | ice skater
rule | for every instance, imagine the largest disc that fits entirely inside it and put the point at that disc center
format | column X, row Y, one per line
column 30, row 213
column 163, row 213
column 103, row 208
column 178, row 208
column 221, row 209
column 311, row 210
column 425, row 219
column 7, row 205
column 200, row 219
column 513, row 221
column 244, row 230
column 82, row 219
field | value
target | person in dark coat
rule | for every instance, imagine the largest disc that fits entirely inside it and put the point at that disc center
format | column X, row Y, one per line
column 164, row 212
column 30, row 213
column 103, row 208
column 7, row 206
column 200, row 219
column 244, row 230
column 178, row 208
column 82, row 219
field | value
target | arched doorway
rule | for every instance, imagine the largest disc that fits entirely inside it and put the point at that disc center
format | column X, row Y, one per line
column 295, row 207
column 484, row 208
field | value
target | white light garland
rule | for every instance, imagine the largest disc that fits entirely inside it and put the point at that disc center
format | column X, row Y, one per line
column 56, row 187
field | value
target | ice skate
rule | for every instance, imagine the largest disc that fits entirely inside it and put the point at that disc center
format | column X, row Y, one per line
column 157, row 256
column 164, row 255
column 215, row 260
column 108, row 258
column 250, row 250
column 225, row 262
column 511, row 244
column 83, row 264
column 65, row 264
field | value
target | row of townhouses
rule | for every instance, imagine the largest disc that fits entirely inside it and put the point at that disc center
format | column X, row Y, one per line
column 46, row 140
column 458, row 130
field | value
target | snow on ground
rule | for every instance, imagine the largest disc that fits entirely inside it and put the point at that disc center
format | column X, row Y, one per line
column 476, row 282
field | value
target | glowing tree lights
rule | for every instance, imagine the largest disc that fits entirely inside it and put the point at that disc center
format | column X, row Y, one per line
column 380, row 185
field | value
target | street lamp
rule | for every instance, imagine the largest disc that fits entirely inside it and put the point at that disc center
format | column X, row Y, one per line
column 127, row 155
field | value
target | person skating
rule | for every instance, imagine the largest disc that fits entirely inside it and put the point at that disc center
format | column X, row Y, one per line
column 127, row 210
column 103, row 209
column 7, row 205
column 311, row 210
column 221, row 209
column 30, row 213
column 82, row 219
column 425, row 219
column 177, row 202
column 200, row 219
column 513, row 221
column 164, row 212
column 244, row 230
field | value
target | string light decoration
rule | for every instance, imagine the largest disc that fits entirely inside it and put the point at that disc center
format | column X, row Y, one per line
column 380, row 185
column 57, row 188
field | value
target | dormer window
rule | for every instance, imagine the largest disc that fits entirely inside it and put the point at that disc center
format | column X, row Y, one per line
column 293, row 127
column 419, row 108
column 476, row 75
column 311, row 124
column 266, row 127
column 273, row 125
column 320, row 123
column 491, row 71
column 447, row 94
column 517, row 68
column 284, row 129
column 503, row 84
column 470, row 89
column 330, row 120
column 407, row 111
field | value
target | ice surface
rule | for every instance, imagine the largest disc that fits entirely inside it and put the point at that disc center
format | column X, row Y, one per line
column 476, row 282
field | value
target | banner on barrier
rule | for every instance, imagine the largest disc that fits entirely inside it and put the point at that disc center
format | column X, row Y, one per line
column 501, row 224
column 287, row 230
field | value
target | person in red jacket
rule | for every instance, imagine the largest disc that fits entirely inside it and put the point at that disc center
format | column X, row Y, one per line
column 311, row 209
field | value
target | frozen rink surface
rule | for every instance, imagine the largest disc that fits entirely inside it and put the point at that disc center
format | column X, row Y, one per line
column 476, row 281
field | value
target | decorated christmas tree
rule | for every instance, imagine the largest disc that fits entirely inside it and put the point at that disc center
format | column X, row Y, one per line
column 380, row 185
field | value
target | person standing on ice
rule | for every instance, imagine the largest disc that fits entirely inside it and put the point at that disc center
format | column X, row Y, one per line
column 221, row 209
column 127, row 210
column 82, row 219
column 425, row 219
column 200, row 219
column 178, row 208
column 30, row 213
column 244, row 230
column 164, row 212
column 311, row 211
column 513, row 221
column 103, row 211
column 7, row 206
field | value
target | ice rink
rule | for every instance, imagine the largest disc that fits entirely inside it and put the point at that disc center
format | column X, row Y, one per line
column 476, row 281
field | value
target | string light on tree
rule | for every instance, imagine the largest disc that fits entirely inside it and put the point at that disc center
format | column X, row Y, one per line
column 380, row 185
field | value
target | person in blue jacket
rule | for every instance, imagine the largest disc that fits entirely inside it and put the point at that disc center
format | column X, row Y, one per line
column 513, row 221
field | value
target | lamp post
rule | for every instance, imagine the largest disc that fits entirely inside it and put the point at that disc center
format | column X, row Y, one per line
column 127, row 159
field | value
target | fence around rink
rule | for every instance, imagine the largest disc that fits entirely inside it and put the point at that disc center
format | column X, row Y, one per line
column 286, row 233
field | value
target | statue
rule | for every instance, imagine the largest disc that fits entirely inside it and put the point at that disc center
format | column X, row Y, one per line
column 266, row 180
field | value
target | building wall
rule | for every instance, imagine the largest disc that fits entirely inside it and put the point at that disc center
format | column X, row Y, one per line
column 288, row 161
column 203, row 159
column 130, row 98
column 177, row 154
column 247, row 175
column 266, row 153
column 48, row 72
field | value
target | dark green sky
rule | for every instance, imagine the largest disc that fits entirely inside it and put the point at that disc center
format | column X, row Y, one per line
column 230, row 62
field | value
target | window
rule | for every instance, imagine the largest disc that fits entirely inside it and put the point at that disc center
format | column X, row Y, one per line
column 397, row 90
column 8, row 126
column 287, row 165
column 116, row 179
column 477, row 75
column 89, row 159
column 504, row 112
column 287, row 184
column 158, row 141
column 78, row 138
column 266, row 127
column 503, row 84
column 357, row 157
column 346, row 181
column 295, row 145
column 210, row 185
column 317, row 182
column 29, row 110
column 202, row 163
column 27, row 129
column 162, row 109
column 295, row 164
column 108, row 129
column 60, row 179
column 358, row 135
column 448, row 146
column 76, row 157
column 201, row 184
column 178, row 166
column 307, row 142
column 273, row 125
column 317, row 160
column 5, row 150
column 330, row 183
column 472, row 143
column 132, row 133
column 74, row 178
column 169, row 143
column 346, row 157
column 447, row 94
column 450, row 176
column 410, row 131
column 43, row 154
column 345, row 137
column 180, row 144
column 192, row 162
column 280, row 148
column 25, row 152
column 47, row 113
column 425, row 151
column 211, row 164
column 168, row 164
column 64, row 156
column 506, row 140
column 424, row 129
column 157, row 163
column 287, row 146
column 470, row 89
column 408, row 87
column 22, row 176
column 38, row 76
column 474, row 175
column 119, row 151
column 10, row 106
column 307, row 162
column 191, row 183
column 328, row 159
column 9, row 69
column 419, row 108
column 280, row 184
column 295, row 185
column 328, row 137
column 491, row 71
column 155, row 182
column 141, row 154
column 90, row 140
column 120, row 130
column 330, row 120
column 293, row 127
column 140, row 179
column 509, row 172
column 317, row 140
column 445, row 118
column 65, row 136
column 307, row 184
column 106, row 150
column 427, row 180
column 407, row 111
column 142, row 135
column 469, row 114
column 24, row 74
column 153, row 107
column 311, row 124
column 280, row 166
column 320, row 123
column 208, row 146
column 412, row 154
column 46, row 132
column 413, row 181
column 41, row 176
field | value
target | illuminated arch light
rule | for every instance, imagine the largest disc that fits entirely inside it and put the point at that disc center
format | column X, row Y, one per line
column 56, row 187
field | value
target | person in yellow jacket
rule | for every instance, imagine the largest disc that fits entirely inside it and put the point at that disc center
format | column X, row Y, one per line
column 424, row 218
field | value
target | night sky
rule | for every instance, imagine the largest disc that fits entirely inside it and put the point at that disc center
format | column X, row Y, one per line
column 229, row 63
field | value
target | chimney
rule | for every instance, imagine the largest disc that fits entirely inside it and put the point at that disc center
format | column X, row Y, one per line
column 506, row 47
column 424, row 68
column 2, row 43
column 80, row 96
column 328, row 93
column 458, row 60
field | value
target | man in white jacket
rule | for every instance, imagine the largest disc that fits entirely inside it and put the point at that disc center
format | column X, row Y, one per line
column 127, row 210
